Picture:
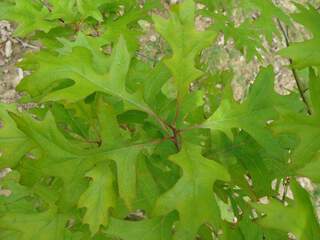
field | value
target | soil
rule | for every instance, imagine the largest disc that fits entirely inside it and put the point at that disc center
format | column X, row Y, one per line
column 11, row 50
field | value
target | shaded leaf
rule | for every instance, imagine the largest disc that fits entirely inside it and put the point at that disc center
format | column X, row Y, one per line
column 151, row 229
column 98, row 198
column 186, row 43
column 13, row 143
column 305, row 53
column 298, row 217
column 196, row 203
column 47, row 225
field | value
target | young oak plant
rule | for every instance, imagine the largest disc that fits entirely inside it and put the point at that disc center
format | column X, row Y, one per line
column 119, row 148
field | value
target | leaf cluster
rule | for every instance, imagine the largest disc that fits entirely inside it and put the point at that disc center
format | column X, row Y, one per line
column 121, row 148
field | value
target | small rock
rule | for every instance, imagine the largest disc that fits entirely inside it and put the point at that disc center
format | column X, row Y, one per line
column 264, row 200
column 2, row 62
column 5, row 30
column 5, row 192
column 16, row 80
column 153, row 38
column 9, row 95
column 200, row 6
column 4, row 172
column 8, row 49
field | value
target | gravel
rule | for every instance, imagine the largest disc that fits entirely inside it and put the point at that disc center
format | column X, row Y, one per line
column 11, row 50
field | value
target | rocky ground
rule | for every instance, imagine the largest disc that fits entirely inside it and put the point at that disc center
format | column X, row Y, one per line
column 11, row 51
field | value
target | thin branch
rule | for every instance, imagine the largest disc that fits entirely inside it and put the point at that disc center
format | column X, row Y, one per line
column 294, row 72
column 176, row 132
column 139, row 54
column 164, row 125
column 25, row 44
column 286, row 183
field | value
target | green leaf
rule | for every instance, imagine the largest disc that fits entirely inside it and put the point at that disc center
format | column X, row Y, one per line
column 34, row 17
column 268, row 12
column 151, row 229
column 261, row 168
column 13, row 143
column 306, row 128
column 98, row 198
column 93, row 44
column 298, row 217
column 311, row 170
column 247, row 34
column 153, row 84
column 105, row 133
column 124, row 25
column 86, row 79
column 245, row 230
column 192, row 195
column 89, row 8
column 63, row 9
column 78, row 67
column 253, row 114
column 314, row 86
column 126, row 161
column 47, row 225
column 123, row 153
column 57, row 153
column 218, row 4
column 67, row 118
column 72, row 10
column 148, row 190
column 248, row 230
column 186, row 43
column 19, row 199
column 305, row 54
